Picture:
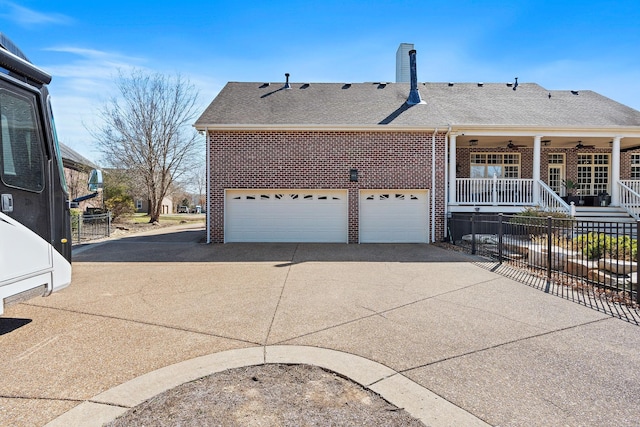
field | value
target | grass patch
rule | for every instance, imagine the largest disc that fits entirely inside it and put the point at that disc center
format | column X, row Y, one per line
column 167, row 219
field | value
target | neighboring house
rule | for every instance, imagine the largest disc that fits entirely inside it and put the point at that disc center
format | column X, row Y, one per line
column 142, row 205
column 76, row 172
column 391, row 162
column 137, row 190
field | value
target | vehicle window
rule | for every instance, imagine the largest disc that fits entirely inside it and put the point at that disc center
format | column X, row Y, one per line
column 21, row 158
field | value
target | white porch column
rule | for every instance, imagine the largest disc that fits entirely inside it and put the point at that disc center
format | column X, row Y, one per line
column 209, row 207
column 452, row 169
column 615, row 171
column 536, row 169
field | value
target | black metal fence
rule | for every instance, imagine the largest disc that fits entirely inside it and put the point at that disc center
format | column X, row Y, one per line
column 87, row 227
column 592, row 262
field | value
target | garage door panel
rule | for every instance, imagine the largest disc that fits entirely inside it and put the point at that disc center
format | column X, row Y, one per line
column 394, row 216
column 286, row 216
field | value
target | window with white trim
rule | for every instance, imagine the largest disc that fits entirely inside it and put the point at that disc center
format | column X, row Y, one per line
column 502, row 165
column 593, row 173
column 635, row 166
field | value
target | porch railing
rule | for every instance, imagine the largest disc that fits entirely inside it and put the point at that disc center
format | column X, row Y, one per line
column 551, row 202
column 494, row 191
column 629, row 193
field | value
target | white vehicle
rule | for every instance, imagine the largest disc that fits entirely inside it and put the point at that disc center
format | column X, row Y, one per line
column 35, row 233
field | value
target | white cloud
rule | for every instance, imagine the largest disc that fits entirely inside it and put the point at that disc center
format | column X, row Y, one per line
column 84, row 79
column 28, row 17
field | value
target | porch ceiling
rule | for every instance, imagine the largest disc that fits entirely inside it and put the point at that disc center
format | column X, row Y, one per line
column 554, row 142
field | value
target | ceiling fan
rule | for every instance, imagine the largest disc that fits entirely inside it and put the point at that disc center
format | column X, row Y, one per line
column 580, row 145
column 511, row 145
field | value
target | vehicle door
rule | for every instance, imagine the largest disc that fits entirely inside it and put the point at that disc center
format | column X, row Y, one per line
column 23, row 183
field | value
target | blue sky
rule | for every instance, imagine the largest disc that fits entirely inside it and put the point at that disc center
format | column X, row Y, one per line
column 577, row 45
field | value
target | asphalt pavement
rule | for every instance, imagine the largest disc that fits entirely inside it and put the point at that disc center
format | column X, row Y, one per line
column 426, row 328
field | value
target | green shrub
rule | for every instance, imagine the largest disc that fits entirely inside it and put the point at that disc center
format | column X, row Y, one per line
column 534, row 221
column 600, row 245
column 119, row 206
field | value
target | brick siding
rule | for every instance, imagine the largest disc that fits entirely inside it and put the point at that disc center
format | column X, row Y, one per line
column 322, row 160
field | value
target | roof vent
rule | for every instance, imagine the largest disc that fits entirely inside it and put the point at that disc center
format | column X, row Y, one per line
column 414, row 93
column 346, row 86
column 265, row 85
column 509, row 84
column 480, row 84
column 574, row 92
column 304, row 86
column 450, row 84
column 286, row 84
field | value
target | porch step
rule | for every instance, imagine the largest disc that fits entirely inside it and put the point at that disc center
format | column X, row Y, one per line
column 603, row 214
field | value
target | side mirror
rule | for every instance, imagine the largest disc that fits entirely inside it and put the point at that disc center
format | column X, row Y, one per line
column 95, row 180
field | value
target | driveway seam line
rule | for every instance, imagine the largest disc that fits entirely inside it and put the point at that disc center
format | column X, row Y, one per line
column 142, row 323
column 61, row 399
column 275, row 311
column 380, row 313
column 402, row 371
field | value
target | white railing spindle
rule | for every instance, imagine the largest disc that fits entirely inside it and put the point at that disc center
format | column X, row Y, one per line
column 629, row 192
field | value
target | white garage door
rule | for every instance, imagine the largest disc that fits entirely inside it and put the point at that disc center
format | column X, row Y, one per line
column 394, row 216
column 286, row 216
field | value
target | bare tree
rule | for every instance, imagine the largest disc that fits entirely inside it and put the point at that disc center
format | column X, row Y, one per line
column 146, row 130
column 200, row 182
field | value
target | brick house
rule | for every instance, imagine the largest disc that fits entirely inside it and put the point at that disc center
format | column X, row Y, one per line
column 390, row 162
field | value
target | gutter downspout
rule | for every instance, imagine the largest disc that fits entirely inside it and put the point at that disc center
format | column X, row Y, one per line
column 446, row 183
column 208, row 151
column 433, row 185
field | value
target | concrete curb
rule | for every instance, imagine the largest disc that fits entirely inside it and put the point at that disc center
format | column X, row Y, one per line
column 421, row 403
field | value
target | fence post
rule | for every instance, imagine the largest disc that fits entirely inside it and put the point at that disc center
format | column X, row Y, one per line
column 500, row 238
column 549, row 238
column 80, row 222
column 108, row 223
column 473, row 234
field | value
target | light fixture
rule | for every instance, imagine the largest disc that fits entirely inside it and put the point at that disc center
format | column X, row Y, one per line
column 473, row 142
column 546, row 142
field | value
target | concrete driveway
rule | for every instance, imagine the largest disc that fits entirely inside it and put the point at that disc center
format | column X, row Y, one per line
column 488, row 347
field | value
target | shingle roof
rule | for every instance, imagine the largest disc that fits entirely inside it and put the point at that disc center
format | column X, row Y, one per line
column 367, row 104
column 73, row 159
